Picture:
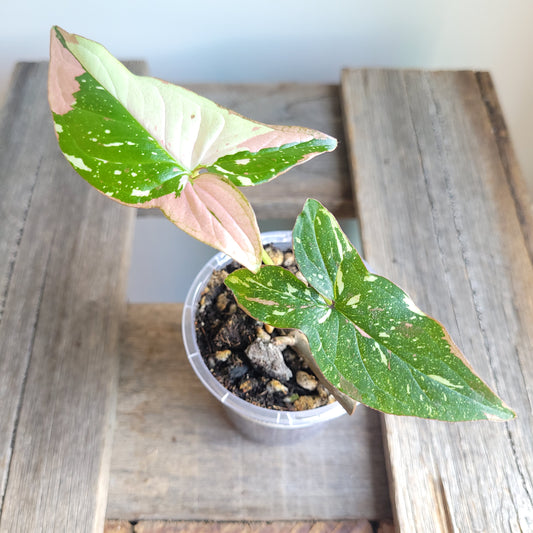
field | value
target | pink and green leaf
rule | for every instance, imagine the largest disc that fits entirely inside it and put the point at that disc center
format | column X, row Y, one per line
column 138, row 139
column 214, row 211
column 367, row 336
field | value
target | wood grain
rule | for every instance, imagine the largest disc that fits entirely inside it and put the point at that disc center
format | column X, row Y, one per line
column 314, row 106
column 118, row 526
column 347, row 526
column 176, row 457
column 63, row 263
column 438, row 216
column 518, row 187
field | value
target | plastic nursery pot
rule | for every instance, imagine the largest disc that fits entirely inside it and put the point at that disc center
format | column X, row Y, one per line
column 257, row 423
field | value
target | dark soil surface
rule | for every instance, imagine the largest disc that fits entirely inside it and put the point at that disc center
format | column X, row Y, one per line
column 225, row 333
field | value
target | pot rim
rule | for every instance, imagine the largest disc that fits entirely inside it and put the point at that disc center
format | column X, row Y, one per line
column 263, row 415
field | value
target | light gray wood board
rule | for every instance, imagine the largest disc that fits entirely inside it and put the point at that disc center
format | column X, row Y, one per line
column 65, row 251
column 314, row 106
column 437, row 217
column 176, row 456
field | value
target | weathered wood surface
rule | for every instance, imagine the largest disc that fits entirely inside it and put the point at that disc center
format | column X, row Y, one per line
column 443, row 214
column 160, row 526
column 317, row 106
column 63, row 263
column 175, row 455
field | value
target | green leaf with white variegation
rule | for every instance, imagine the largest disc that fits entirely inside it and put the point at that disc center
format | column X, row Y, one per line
column 142, row 141
column 367, row 336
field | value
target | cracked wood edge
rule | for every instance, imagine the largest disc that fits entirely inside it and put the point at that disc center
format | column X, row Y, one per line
column 63, row 265
column 517, row 185
column 438, row 217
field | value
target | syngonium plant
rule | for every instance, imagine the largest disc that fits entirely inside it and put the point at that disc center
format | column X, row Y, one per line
column 147, row 143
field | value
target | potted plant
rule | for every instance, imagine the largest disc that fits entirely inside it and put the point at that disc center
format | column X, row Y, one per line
column 147, row 143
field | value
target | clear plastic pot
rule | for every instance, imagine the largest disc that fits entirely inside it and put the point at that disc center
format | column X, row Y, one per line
column 257, row 423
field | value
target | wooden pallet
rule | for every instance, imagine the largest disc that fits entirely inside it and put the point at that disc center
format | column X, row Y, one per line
column 444, row 212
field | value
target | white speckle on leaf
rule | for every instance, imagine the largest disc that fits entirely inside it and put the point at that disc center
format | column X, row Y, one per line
column 109, row 194
column 322, row 319
column 129, row 143
column 370, row 278
column 383, row 334
column 134, row 174
column 354, row 300
column 412, row 307
column 58, row 127
column 333, row 224
column 245, row 181
column 77, row 162
column 117, row 172
column 291, row 289
column 138, row 192
column 113, row 144
column 384, row 359
column 444, row 381
column 107, row 131
column 242, row 161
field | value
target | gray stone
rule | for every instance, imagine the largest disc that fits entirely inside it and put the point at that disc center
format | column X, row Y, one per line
column 269, row 358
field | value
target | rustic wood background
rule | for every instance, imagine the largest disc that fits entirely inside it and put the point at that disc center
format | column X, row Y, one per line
column 444, row 213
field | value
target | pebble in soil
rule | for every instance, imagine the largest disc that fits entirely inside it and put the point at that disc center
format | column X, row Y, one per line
column 239, row 352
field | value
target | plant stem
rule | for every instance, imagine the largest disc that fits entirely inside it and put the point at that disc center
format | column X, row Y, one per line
column 266, row 258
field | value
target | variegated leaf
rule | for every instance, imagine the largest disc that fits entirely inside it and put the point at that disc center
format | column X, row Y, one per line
column 367, row 336
column 214, row 211
column 139, row 139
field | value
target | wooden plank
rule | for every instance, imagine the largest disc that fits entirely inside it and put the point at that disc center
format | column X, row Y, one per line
column 176, row 457
column 438, row 217
column 16, row 193
column 118, row 526
column 347, row 526
column 315, row 106
column 65, row 252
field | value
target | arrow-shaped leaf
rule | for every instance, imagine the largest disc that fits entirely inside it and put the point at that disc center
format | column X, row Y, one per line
column 367, row 336
column 138, row 139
